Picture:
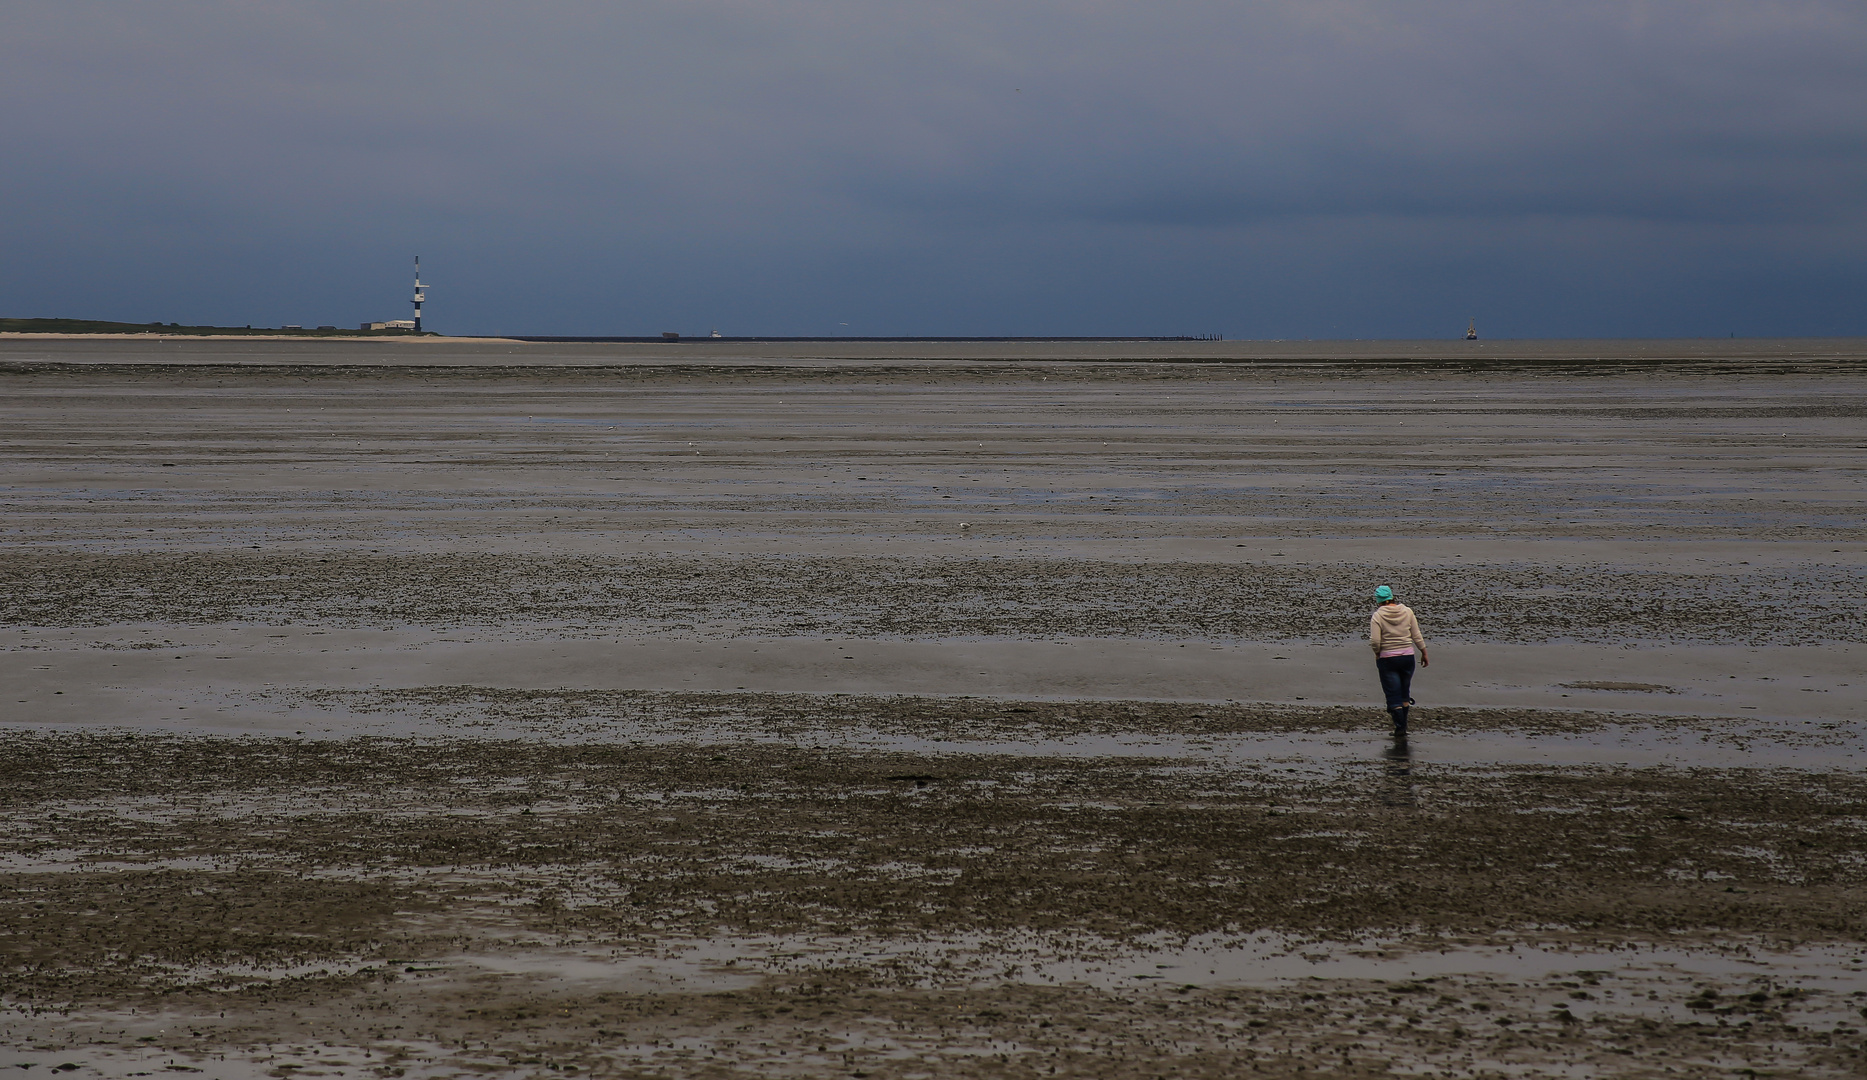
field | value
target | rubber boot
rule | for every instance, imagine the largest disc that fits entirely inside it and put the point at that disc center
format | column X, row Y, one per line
column 1400, row 722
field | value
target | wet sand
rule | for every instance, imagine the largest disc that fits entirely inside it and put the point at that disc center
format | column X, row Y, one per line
column 874, row 710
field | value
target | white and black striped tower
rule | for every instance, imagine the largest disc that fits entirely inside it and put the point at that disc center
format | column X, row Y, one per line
column 420, row 294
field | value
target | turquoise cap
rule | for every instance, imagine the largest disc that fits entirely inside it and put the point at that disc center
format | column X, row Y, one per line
column 1384, row 592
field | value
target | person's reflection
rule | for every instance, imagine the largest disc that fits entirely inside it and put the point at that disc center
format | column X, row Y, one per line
column 1397, row 775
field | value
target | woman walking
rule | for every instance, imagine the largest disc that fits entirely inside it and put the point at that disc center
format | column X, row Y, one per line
column 1395, row 636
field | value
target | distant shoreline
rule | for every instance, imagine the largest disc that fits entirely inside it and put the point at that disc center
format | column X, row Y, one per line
column 663, row 339
column 1726, row 355
column 1852, row 347
column 350, row 336
column 58, row 327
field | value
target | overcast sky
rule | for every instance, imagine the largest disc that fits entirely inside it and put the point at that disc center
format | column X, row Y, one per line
column 1315, row 168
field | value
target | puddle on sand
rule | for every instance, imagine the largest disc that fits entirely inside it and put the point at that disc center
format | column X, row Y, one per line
column 69, row 861
column 1267, row 961
column 1701, row 744
column 1629, row 745
column 46, row 1061
column 1264, row 961
column 686, row 972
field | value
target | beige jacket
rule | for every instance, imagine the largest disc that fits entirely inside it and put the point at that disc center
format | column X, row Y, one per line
column 1394, row 627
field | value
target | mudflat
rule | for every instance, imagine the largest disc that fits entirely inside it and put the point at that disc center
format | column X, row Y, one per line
column 908, row 709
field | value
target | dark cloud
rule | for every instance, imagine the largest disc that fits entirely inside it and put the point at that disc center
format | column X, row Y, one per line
column 1285, row 169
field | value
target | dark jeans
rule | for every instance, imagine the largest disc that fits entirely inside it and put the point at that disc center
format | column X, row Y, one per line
column 1396, row 679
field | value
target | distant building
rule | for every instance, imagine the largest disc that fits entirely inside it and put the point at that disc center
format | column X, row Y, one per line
column 391, row 324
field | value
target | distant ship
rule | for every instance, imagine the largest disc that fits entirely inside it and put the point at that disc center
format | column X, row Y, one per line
column 1471, row 332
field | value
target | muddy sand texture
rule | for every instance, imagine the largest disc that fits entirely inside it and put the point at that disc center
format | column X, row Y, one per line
column 729, row 883
column 749, row 596
column 254, row 878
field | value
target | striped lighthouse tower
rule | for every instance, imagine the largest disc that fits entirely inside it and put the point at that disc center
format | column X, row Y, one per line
column 420, row 294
